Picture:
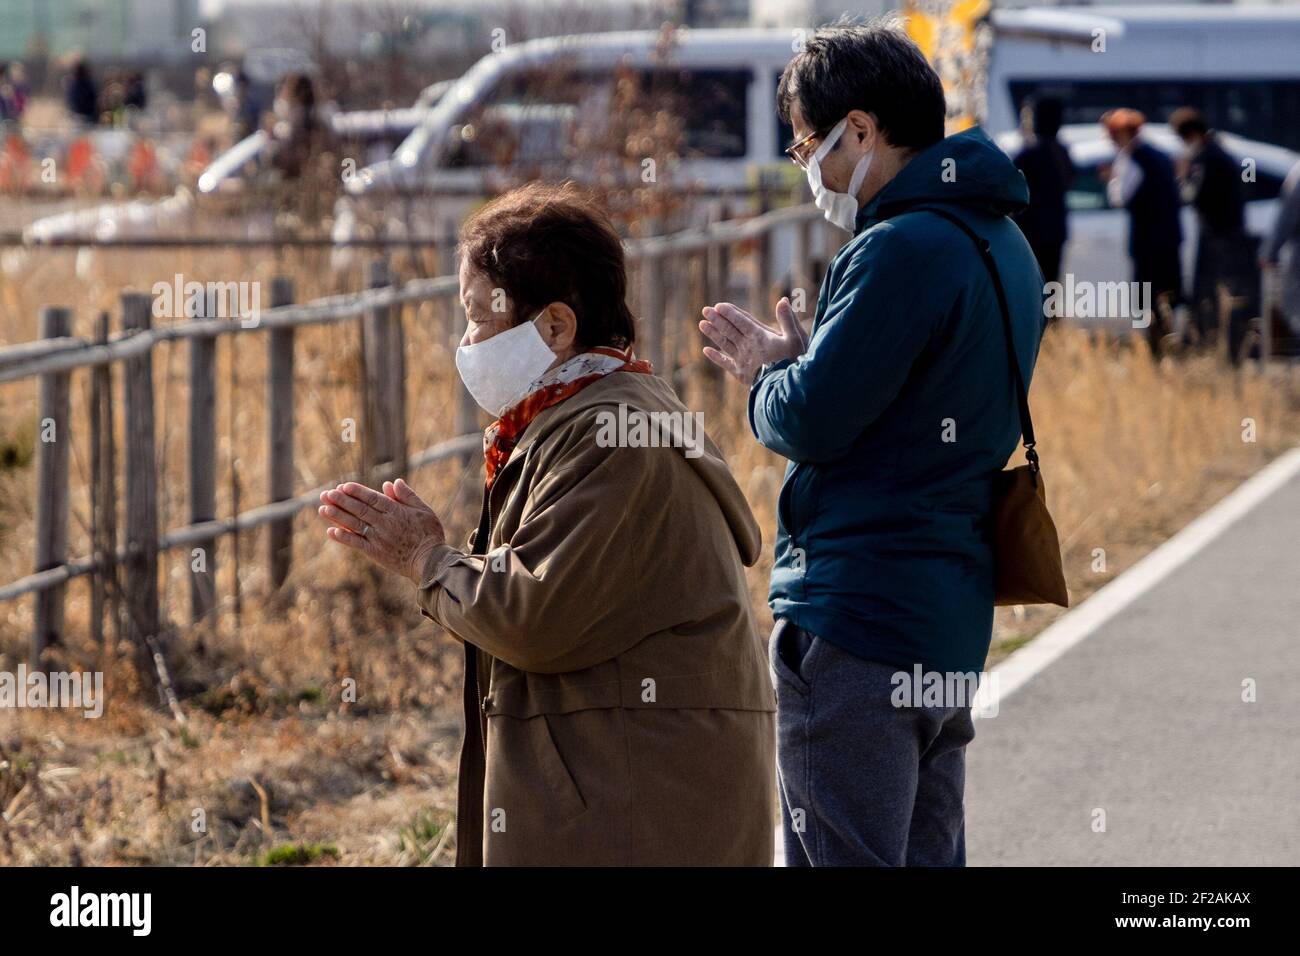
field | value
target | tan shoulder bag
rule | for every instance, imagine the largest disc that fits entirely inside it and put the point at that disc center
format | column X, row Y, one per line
column 1026, row 548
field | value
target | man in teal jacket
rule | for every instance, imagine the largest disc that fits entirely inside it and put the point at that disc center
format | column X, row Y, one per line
column 895, row 416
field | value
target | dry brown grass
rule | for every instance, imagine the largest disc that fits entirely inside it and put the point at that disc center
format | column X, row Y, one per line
column 1132, row 449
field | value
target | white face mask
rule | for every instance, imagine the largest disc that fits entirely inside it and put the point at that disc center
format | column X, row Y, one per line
column 840, row 208
column 498, row 371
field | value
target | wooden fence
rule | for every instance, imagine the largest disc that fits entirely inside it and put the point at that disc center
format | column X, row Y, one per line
column 124, row 566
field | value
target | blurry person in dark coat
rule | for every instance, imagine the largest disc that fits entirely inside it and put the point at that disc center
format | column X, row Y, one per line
column 1211, row 183
column 135, row 96
column 1142, row 181
column 1049, row 173
column 1286, row 236
column 246, row 106
column 13, row 92
column 296, row 127
column 82, row 95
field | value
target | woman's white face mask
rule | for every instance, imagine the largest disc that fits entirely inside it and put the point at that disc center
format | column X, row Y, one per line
column 498, row 371
column 841, row 209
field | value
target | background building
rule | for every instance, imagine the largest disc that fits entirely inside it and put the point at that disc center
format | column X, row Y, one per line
column 806, row 13
column 113, row 30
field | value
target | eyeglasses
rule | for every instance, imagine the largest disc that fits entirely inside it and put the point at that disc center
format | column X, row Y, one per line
column 797, row 150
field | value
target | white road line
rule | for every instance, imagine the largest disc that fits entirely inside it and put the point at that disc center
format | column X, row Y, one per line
column 1076, row 625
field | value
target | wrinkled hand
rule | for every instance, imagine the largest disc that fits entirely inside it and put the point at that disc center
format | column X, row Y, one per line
column 744, row 343
column 396, row 529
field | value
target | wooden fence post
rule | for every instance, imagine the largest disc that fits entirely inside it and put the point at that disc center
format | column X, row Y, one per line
column 141, row 569
column 377, row 424
column 717, row 289
column 396, row 382
column 445, row 250
column 760, row 282
column 203, row 465
column 465, row 409
column 677, row 279
column 652, row 310
column 279, row 434
column 105, row 592
column 719, row 261
column 383, row 437
column 52, row 489
column 801, row 273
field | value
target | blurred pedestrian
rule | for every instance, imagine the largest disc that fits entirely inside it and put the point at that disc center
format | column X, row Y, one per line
column 1049, row 173
column 1286, row 234
column 246, row 107
column 13, row 91
column 296, row 125
column 1142, row 181
column 112, row 98
column 7, row 111
column 1210, row 182
column 82, row 95
column 135, row 96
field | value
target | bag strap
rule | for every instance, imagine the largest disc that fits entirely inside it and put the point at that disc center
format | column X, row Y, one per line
column 1022, row 393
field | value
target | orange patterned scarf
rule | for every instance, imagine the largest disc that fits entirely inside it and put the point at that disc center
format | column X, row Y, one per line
column 553, row 387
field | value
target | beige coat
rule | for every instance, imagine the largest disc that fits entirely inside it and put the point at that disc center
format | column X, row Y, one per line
column 619, row 708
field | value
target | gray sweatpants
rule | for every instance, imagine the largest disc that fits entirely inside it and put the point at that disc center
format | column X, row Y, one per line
column 863, row 782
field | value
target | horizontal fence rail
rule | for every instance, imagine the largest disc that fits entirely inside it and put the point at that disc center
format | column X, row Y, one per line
column 63, row 354
column 194, row 534
column 19, row 239
column 124, row 568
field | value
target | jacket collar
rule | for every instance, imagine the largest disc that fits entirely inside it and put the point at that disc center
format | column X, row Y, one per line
column 966, row 169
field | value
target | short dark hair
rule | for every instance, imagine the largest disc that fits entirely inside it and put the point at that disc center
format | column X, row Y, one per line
column 874, row 67
column 1186, row 122
column 543, row 243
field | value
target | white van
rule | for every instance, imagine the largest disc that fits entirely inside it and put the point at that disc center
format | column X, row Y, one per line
column 722, row 83
column 547, row 108
column 506, row 120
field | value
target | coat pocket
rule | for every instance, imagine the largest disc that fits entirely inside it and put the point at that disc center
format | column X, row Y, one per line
column 527, row 771
column 791, row 661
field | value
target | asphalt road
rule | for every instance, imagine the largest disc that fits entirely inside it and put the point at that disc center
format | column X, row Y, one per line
column 1144, row 721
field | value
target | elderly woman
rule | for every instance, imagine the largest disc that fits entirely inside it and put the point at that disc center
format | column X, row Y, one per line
column 618, row 703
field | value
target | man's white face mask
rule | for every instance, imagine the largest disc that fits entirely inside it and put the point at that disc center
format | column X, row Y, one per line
column 498, row 371
column 839, row 208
